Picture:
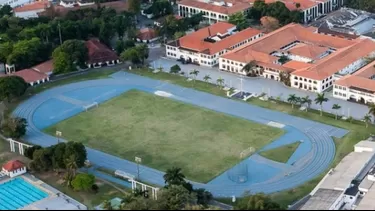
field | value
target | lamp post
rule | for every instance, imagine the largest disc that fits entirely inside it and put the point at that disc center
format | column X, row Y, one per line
column 58, row 135
column 138, row 160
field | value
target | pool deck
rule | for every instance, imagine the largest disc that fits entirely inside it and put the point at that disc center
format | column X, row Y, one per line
column 52, row 201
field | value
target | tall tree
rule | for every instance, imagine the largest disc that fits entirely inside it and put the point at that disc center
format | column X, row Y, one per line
column 306, row 101
column 203, row 196
column 239, row 19
column 257, row 202
column 220, row 82
column 175, row 69
column 120, row 25
column 120, row 46
column 30, row 151
column 12, row 87
column 292, row 99
column 134, row 6
column 83, row 182
column 206, row 78
column 78, row 151
column 195, row 74
column 249, row 67
column 371, row 109
column 367, row 119
column 336, row 107
column 176, row 197
column 320, row 99
column 71, row 165
column 174, row 176
column 15, row 127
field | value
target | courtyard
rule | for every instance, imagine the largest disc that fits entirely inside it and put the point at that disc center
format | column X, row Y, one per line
column 166, row 133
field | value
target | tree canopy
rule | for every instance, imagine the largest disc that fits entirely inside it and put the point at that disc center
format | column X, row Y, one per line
column 136, row 55
column 68, row 55
column 12, row 87
column 239, row 19
column 83, row 182
column 367, row 5
column 257, row 202
column 14, row 127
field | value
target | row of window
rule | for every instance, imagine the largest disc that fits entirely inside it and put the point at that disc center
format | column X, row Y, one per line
column 232, row 69
column 340, row 94
column 340, row 87
column 304, row 86
column 305, row 80
column 194, row 11
column 171, row 48
column 231, row 62
column 171, row 54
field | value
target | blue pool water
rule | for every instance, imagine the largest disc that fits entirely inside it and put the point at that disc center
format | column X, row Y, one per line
column 18, row 193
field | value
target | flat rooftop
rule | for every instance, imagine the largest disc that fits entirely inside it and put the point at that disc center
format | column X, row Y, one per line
column 323, row 199
column 367, row 202
column 366, row 184
column 346, row 171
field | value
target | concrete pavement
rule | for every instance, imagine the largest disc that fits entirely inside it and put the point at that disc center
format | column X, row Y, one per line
column 271, row 87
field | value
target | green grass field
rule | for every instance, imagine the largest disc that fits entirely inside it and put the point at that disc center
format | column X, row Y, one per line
column 281, row 154
column 167, row 133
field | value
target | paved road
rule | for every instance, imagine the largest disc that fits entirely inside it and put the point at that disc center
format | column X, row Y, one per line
column 271, row 87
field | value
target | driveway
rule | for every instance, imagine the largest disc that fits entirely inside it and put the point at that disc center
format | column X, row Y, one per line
column 271, row 87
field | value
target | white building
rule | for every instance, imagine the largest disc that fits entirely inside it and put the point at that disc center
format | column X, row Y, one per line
column 358, row 87
column 212, row 10
column 14, row 168
column 73, row 3
column 220, row 10
column 205, row 46
column 342, row 187
column 31, row 10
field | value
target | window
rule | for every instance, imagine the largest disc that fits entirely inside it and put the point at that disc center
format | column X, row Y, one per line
column 295, row 83
column 314, row 82
column 295, row 77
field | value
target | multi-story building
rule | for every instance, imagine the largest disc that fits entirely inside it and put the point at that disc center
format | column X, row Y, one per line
column 213, row 10
column 220, row 10
column 359, row 87
column 205, row 46
column 311, row 60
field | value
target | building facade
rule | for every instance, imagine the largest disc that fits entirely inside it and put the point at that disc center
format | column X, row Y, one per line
column 205, row 46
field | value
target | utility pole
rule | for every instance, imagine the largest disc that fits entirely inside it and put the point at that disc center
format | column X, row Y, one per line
column 60, row 33
column 138, row 160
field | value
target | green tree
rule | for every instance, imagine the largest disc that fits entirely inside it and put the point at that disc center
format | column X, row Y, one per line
column 220, row 82
column 194, row 73
column 41, row 160
column 6, row 10
column 161, row 8
column 283, row 59
column 174, row 176
column 62, row 63
column 131, row 55
column 120, row 24
column 249, row 67
column 257, row 202
column 15, row 127
column 134, row 6
column 178, row 34
column 71, row 166
column 106, row 32
column 306, row 101
column 367, row 119
column 371, row 109
column 120, row 46
column 143, row 52
column 58, row 156
column 239, row 19
column 6, row 48
column 336, row 107
column 320, row 99
column 68, row 55
column 83, row 182
column 175, row 69
column 292, row 99
column 203, row 196
column 77, row 151
column 176, row 197
column 30, row 151
column 12, row 87
column 207, row 78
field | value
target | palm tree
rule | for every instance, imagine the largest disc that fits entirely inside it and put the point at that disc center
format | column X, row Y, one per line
column 174, row 176
column 107, row 205
column 194, row 73
column 248, row 68
column 306, row 100
column 350, row 119
column 367, row 119
column 292, row 99
column 320, row 99
column 371, row 109
column 160, row 69
column 336, row 107
column 71, row 166
column 220, row 82
column 206, row 78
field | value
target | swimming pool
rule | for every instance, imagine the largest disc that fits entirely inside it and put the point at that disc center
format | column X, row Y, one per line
column 18, row 193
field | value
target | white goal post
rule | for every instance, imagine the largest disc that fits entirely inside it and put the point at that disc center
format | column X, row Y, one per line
column 92, row 105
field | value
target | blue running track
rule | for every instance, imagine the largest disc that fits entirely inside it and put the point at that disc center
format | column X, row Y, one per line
column 313, row 156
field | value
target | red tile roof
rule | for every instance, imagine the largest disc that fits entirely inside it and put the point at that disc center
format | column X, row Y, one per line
column 30, row 75
column 13, row 165
column 98, row 52
column 146, row 34
column 45, row 67
column 196, row 40
column 38, row 5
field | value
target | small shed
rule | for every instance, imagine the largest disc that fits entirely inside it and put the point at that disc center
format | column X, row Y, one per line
column 14, row 168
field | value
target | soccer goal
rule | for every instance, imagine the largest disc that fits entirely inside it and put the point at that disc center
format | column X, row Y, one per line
column 90, row 106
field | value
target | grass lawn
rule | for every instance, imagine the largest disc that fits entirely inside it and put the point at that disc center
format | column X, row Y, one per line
column 106, row 191
column 167, row 133
column 281, row 154
column 357, row 130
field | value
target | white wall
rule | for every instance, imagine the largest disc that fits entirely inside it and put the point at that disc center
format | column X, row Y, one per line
column 353, row 67
column 28, row 14
column 16, row 172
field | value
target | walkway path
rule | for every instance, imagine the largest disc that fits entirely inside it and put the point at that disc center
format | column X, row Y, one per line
column 271, row 87
column 318, row 133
